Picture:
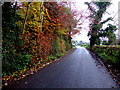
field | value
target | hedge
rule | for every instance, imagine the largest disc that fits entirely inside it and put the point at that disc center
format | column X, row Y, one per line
column 109, row 53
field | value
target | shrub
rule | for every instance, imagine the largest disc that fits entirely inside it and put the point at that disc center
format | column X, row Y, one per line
column 109, row 53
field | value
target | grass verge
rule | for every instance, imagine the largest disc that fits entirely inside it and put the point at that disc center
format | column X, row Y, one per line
column 110, row 55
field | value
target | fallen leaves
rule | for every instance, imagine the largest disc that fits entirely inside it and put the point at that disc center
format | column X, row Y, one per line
column 30, row 71
column 25, row 72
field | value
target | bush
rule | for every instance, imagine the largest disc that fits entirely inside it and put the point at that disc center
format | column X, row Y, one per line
column 110, row 54
column 59, row 54
column 51, row 57
column 19, row 63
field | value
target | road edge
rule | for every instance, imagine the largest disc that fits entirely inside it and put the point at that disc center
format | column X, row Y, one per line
column 13, row 80
column 103, row 63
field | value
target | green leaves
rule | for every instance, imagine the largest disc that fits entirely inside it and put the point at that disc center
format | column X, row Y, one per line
column 35, row 33
column 109, row 53
column 96, row 17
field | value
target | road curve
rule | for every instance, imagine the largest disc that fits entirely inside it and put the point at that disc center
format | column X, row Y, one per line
column 76, row 70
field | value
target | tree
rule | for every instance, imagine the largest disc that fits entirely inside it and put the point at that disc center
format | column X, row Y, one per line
column 109, row 33
column 11, row 37
column 33, row 32
column 96, row 16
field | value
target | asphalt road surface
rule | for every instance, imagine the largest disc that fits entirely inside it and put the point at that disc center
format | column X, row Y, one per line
column 76, row 70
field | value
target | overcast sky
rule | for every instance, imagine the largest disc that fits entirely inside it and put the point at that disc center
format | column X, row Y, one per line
column 112, row 11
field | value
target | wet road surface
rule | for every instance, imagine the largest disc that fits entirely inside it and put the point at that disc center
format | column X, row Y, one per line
column 76, row 70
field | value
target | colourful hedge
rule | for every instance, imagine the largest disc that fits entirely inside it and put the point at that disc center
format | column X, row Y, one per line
column 34, row 32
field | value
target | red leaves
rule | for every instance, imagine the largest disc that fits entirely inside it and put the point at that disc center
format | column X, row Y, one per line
column 34, row 59
column 57, row 20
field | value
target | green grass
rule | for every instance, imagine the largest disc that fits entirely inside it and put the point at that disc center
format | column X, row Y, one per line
column 109, row 53
column 118, row 46
column 85, row 46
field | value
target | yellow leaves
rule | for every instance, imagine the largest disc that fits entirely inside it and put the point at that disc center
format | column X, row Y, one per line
column 24, row 69
column 60, row 44
column 37, row 18
column 63, row 49
column 46, row 22
column 62, row 31
column 47, row 13
column 19, row 23
column 42, row 13
column 30, row 22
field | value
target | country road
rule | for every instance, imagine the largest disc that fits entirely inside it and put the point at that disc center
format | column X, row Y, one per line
column 76, row 70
